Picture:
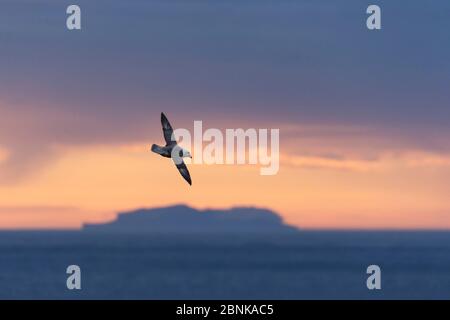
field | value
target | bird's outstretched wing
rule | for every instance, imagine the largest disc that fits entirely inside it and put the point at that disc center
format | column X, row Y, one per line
column 184, row 172
column 167, row 130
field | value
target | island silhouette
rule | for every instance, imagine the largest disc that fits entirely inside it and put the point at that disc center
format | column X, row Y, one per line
column 182, row 219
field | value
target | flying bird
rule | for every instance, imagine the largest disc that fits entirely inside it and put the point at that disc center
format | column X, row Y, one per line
column 173, row 150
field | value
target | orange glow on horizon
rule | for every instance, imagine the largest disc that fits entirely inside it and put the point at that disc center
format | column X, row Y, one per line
column 91, row 184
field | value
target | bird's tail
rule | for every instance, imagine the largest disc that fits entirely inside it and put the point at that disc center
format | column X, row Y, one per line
column 157, row 149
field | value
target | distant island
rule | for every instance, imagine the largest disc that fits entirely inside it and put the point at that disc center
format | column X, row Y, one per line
column 181, row 219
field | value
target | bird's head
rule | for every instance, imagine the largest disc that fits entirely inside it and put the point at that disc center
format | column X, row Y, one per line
column 185, row 154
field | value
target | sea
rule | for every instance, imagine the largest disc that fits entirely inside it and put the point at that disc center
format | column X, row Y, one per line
column 310, row 265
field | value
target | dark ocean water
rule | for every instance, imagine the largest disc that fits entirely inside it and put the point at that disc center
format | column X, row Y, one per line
column 313, row 265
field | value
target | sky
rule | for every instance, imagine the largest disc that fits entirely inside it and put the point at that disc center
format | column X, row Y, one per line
column 364, row 116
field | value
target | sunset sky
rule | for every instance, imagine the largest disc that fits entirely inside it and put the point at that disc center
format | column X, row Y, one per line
column 364, row 116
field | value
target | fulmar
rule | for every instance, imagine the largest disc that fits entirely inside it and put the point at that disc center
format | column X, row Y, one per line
column 172, row 149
